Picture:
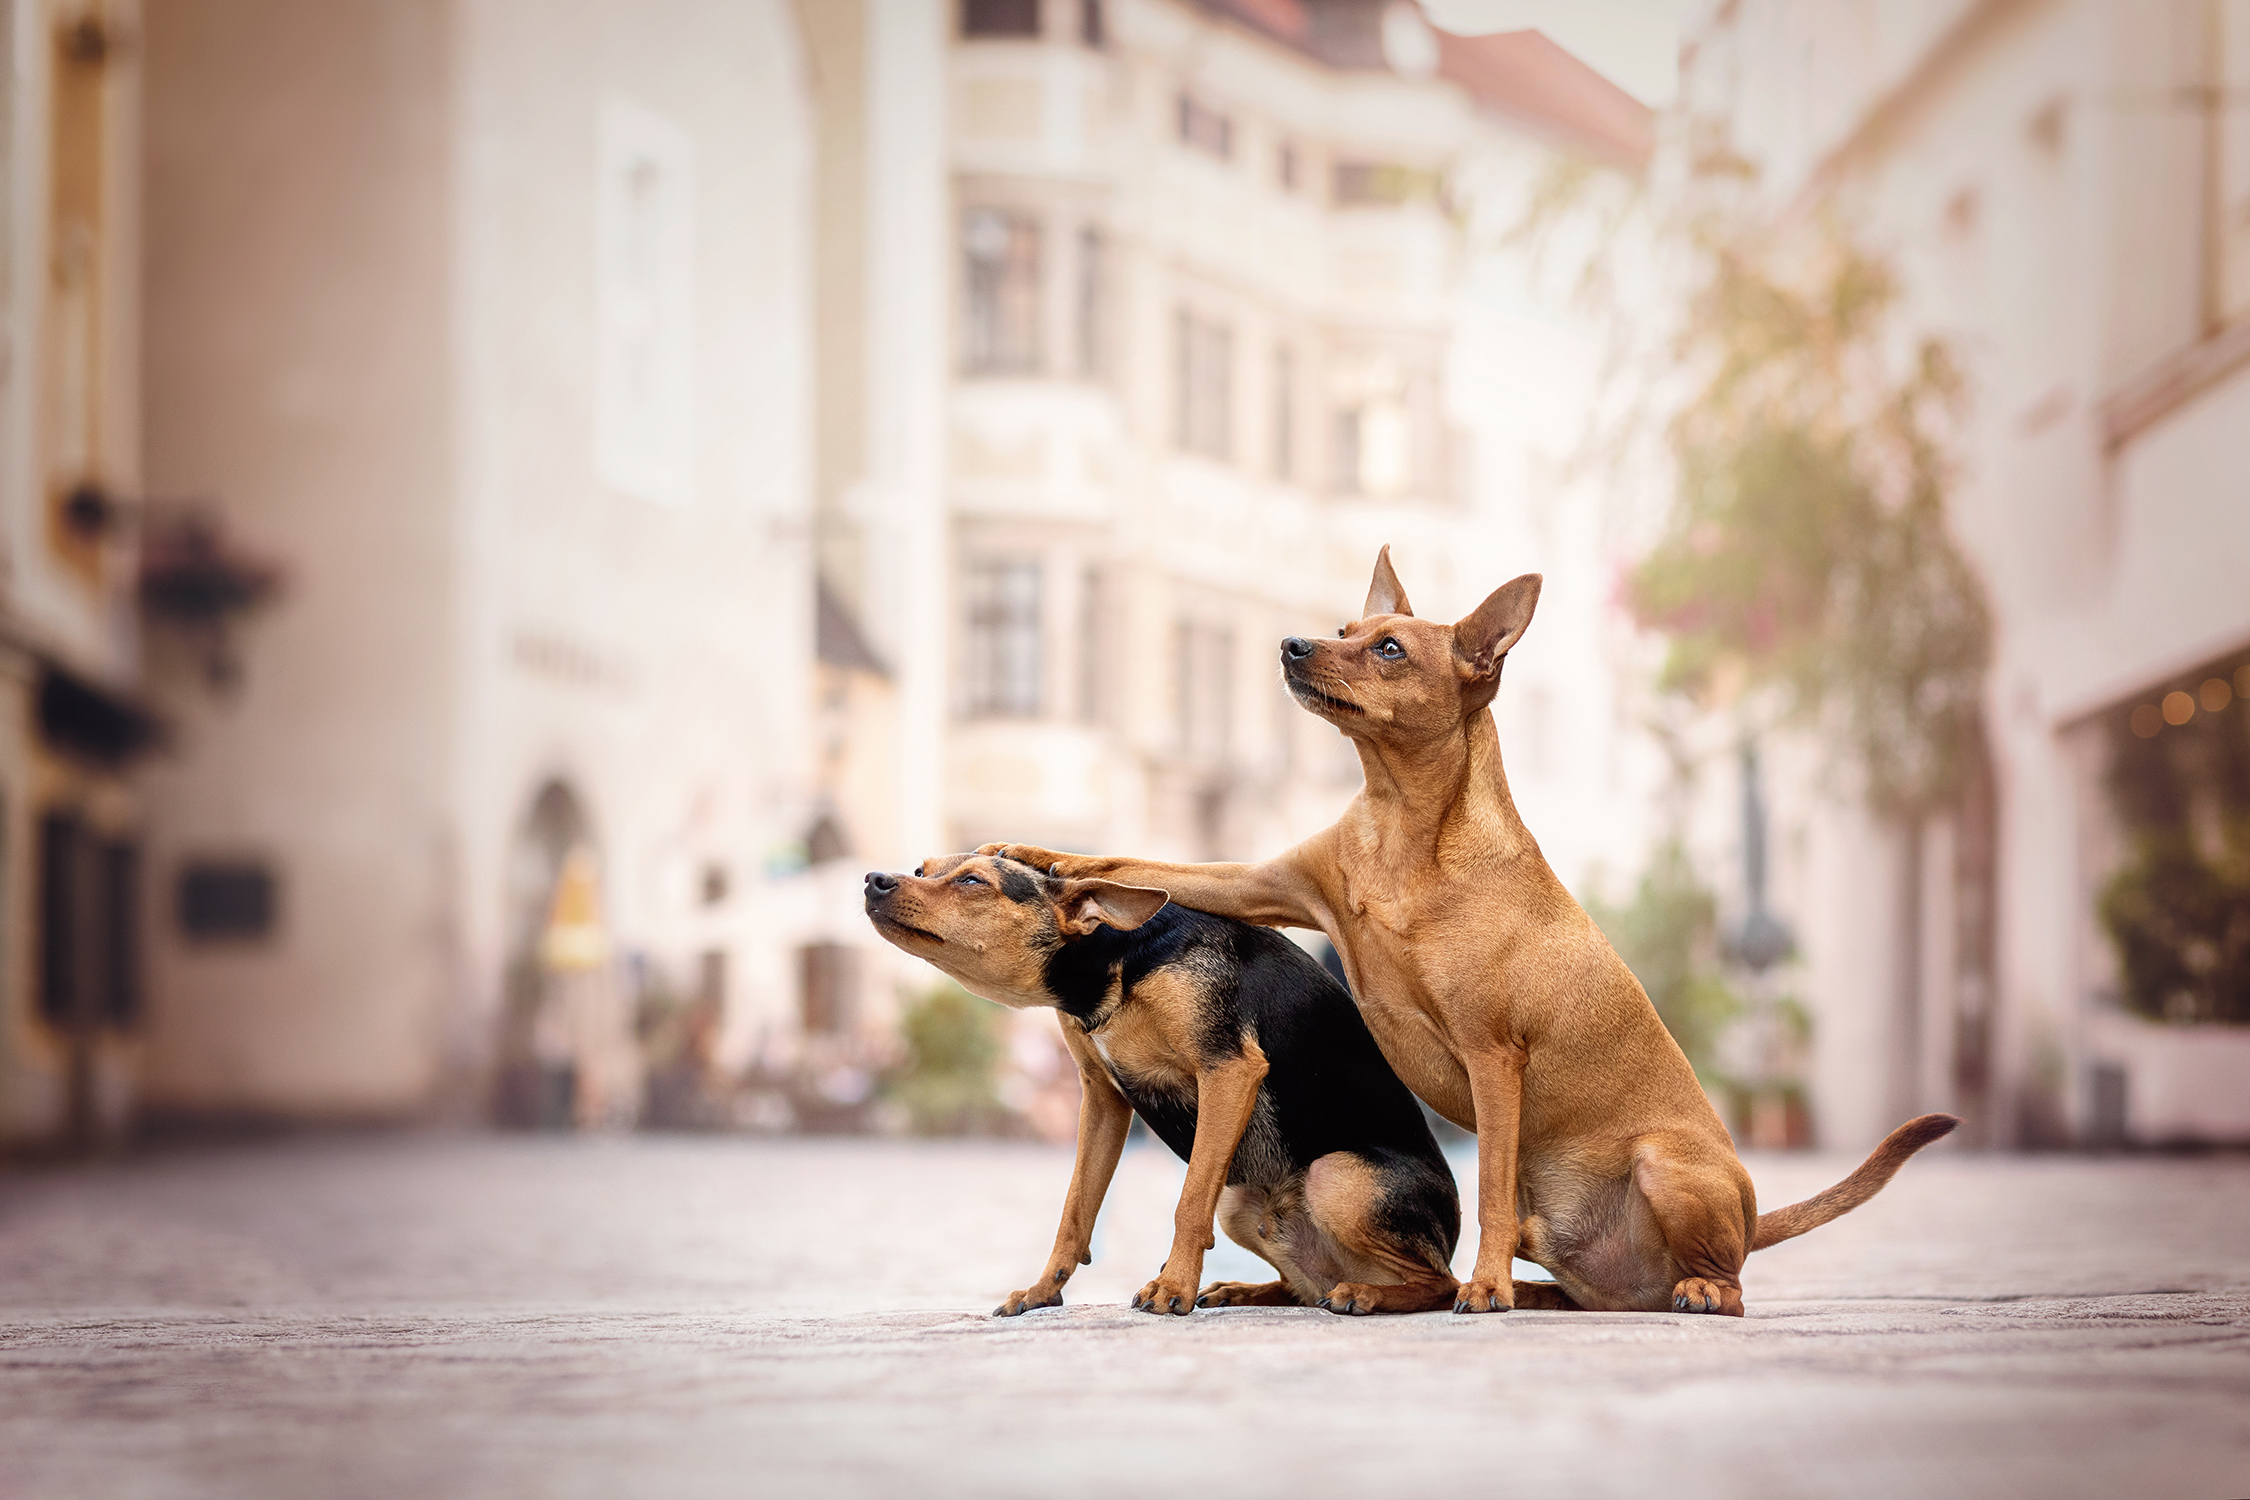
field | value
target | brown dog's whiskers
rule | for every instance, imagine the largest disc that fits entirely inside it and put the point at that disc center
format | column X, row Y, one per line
column 1307, row 692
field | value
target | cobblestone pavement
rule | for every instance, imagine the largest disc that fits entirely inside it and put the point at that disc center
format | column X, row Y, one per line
column 468, row 1315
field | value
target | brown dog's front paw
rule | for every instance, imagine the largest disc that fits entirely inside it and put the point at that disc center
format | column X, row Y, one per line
column 1046, row 861
column 1044, row 1295
column 1696, row 1295
column 1161, row 1296
column 1480, row 1296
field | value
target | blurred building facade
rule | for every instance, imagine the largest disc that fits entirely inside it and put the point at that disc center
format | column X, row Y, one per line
column 1143, row 325
column 488, row 324
column 2064, row 186
column 510, row 508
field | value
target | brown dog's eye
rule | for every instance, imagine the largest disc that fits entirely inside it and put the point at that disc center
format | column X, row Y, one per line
column 1389, row 649
column 966, row 880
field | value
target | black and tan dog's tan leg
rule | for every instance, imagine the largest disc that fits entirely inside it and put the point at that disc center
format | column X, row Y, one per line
column 1103, row 1120
column 1225, row 1093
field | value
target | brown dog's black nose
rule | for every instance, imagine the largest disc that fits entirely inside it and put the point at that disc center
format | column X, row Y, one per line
column 880, row 884
column 1296, row 648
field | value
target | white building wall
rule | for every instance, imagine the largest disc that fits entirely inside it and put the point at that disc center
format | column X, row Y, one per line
column 2036, row 172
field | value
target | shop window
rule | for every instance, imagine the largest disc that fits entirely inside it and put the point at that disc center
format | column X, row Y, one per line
column 2177, row 906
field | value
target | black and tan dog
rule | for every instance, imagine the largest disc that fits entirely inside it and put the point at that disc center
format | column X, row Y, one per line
column 1240, row 1052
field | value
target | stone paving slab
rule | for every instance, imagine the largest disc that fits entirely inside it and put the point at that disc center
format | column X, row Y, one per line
column 496, row 1317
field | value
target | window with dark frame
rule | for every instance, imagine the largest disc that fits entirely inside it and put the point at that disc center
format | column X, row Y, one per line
column 1000, row 333
column 1205, row 129
column 1003, row 662
column 1203, row 411
column 999, row 18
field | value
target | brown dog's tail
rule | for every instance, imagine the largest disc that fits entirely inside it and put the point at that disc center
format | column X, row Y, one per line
column 1879, row 1168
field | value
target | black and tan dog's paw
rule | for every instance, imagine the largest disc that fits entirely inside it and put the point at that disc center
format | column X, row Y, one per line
column 1045, row 1294
column 1161, row 1296
column 1246, row 1294
column 1480, row 1296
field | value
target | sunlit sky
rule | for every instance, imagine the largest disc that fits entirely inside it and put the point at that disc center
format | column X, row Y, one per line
column 1633, row 43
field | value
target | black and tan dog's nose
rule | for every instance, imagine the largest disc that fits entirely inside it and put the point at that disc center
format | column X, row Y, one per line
column 1296, row 648
column 880, row 884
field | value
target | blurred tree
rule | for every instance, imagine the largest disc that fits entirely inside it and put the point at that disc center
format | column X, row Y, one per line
column 1668, row 935
column 1804, row 570
column 953, row 1051
column 1806, row 546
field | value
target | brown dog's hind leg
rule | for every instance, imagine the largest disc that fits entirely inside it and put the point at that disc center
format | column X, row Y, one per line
column 1391, row 1223
column 1247, row 1294
column 1544, row 1296
column 1704, row 1213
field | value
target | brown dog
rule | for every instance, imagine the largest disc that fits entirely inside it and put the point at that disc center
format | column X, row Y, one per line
column 1493, row 993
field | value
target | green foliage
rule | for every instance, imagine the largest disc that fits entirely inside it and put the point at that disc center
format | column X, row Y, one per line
column 1668, row 936
column 2181, row 923
column 953, row 1050
column 1807, row 546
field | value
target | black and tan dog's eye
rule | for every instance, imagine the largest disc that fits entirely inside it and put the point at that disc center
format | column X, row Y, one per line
column 1389, row 649
column 966, row 879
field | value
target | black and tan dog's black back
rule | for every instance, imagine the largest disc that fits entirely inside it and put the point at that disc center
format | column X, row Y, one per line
column 1241, row 1053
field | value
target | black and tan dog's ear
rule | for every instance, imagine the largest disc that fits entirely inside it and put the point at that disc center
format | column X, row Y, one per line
column 1088, row 904
column 1486, row 634
column 1386, row 595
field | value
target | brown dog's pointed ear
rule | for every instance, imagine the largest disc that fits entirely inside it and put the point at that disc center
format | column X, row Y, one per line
column 1088, row 904
column 1386, row 595
column 1481, row 639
